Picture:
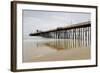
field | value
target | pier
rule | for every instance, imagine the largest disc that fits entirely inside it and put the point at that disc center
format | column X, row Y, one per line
column 80, row 33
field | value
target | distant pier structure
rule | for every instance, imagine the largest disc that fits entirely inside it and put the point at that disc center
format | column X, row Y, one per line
column 80, row 31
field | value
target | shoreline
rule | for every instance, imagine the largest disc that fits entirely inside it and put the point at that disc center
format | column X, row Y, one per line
column 39, row 52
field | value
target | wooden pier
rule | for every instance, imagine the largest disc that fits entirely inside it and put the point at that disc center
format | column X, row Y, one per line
column 75, row 32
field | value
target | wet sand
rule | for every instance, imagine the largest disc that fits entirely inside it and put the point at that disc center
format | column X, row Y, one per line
column 37, row 51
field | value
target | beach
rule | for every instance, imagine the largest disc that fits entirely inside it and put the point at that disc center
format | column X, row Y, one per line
column 44, row 49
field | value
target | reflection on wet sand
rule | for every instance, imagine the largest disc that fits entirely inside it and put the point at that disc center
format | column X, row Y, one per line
column 61, row 44
column 55, row 50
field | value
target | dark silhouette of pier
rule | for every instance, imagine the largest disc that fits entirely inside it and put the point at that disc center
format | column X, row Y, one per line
column 76, row 32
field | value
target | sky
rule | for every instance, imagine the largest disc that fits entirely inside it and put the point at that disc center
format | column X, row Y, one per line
column 47, row 20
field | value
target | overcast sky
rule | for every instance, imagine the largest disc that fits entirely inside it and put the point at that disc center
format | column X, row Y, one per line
column 46, row 20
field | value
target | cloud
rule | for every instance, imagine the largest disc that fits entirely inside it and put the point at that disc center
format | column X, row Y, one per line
column 46, row 20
